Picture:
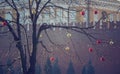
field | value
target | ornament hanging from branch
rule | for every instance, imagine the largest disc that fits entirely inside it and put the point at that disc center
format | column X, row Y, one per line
column 98, row 41
column 111, row 42
column 4, row 23
column 67, row 48
column 90, row 49
column 52, row 59
column 95, row 12
column 69, row 35
column 82, row 13
column 102, row 59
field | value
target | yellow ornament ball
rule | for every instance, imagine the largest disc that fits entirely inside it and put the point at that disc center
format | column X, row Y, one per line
column 69, row 35
column 67, row 48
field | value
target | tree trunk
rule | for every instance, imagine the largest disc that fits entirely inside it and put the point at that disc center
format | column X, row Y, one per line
column 33, row 55
column 22, row 56
column 33, row 60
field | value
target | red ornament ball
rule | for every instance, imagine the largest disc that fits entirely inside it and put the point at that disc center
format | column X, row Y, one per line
column 95, row 12
column 52, row 59
column 4, row 23
column 102, row 58
column 90, row 49
column 82, row 13
column 98, row 41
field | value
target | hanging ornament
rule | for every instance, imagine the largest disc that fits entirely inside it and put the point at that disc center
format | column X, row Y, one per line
column 4, row 23
column 95, row 12
column 98, row 41
column 33, row 11
column 67, row 48
column 90, row 49
column 111, row 42
column 102, row 58
column 82, row 13
column 41, row 35
column 69, row 35
column 52, row 59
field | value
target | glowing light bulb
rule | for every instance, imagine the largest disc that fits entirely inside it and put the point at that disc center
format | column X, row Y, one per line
column 69, row 35
column 67, row 48
column 111, row 42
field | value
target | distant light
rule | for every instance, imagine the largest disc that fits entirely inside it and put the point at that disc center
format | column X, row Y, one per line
column 118, row 0
column 67, row 48
column 69, row 35
column 111, row 42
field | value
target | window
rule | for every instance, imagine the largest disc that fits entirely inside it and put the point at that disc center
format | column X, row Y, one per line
column 46, row 16
column 72, row 16
column 65, row 16
column 52, row 15
column 22, row 17
column 8, row 16
column 58, row 15
column 118, row 17
column 111, row 17
column 95, row 17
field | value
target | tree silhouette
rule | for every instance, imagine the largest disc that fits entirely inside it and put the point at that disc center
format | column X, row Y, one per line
column 20, row 35
column 48, row 67
column 10, row 66
column 38, row 69
column 70, row 69
column 56, row 68
column 88, row 69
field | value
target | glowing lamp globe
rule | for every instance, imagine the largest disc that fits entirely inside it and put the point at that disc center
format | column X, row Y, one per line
column 90, row 49
column 82, row 13
column 69, row 35
column 111, row 42
column 67, row 48
column 52, row 59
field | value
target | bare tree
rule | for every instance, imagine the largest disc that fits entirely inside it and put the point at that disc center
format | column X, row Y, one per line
column 35, row 8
